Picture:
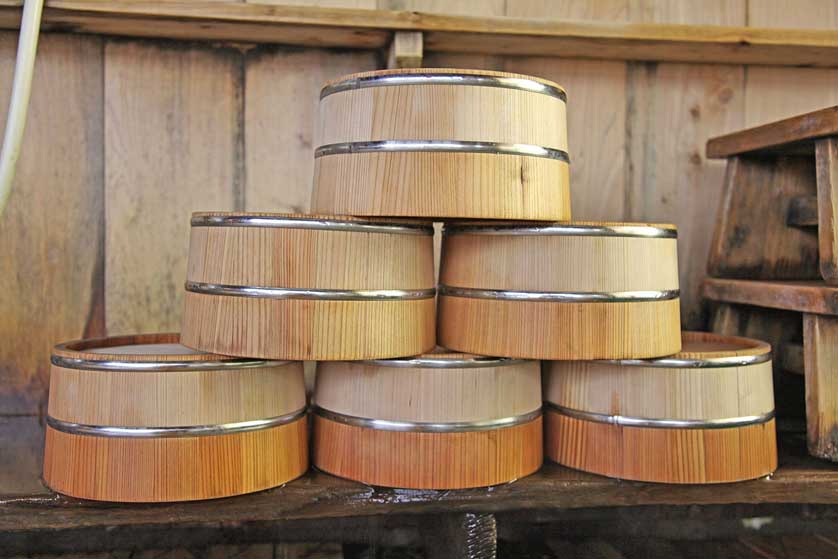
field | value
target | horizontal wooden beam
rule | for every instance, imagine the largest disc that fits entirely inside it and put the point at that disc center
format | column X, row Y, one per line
column 348, row 28
column 813, row 297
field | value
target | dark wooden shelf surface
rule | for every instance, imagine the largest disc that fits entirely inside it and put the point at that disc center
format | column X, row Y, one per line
column 45, row 520
column 791, row 136
column 800, row 296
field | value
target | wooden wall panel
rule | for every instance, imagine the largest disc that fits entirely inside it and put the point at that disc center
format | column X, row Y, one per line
column 282, row 94
column 21, row 455
column 673, row 109
column 458, row 7
column 172, row 146
column 773, row 93
column 51, row 234
column 611, row 10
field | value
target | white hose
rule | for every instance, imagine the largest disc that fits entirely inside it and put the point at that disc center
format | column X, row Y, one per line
column 16, row 121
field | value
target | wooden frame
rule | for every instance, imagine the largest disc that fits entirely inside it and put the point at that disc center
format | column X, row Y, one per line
column 347, row 28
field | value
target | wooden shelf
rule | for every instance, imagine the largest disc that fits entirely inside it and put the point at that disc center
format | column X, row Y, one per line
column 322, row 507
column 800, row 296
column 253, row 22
column 795, row 135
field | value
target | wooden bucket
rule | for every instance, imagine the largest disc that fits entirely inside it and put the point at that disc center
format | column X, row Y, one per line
column 560, row 290
column 705, row 415
column 438, row 421
column 442, row 143
column 144, row 419
column 278, row 286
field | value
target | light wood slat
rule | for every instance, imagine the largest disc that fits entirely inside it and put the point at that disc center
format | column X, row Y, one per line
column 282, row 91
column 51, row 234
column 171, row 143
column 820, row 351
column 337, row 27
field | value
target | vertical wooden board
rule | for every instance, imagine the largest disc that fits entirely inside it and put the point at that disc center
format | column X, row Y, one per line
column 172, row 146
column 596, row 115
column 282, row 93
column 826, row 163
column 357, row 4
column 51, row 234
column 820, row 353
column 479, row 8
column 21, row 457
column 706, row 12
column 611, row 10
column 676, row 108
column 774, row 93
column 673, row 109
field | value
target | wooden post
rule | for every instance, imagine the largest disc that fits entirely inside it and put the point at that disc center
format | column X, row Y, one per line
column 461, row 536
column 405, row 50
column 820, row 341
column 826, row 164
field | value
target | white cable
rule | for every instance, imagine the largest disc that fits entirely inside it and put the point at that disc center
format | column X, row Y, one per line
column 16, row 121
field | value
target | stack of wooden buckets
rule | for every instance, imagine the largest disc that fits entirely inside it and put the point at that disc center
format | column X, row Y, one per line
column 420, row 384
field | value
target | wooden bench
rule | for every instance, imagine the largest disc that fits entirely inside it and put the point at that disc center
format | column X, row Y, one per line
column 777, row 227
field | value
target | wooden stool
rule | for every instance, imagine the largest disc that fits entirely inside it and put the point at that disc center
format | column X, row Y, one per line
column 777, row 222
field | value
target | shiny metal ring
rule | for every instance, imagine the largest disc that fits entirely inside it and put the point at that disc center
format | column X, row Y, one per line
column 439, row 78
column 310, row 294
column 435, row 363
column 661, row 423
column 495, row 148
column 675, row 363
column 309, row 223
column 424, row 427
column 170, row 432
column 566, row 230
column 136, row 366
column 561, row 296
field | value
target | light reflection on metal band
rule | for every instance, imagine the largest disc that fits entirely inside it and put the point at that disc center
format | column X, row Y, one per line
column 660, row 423
column 170, row 432
column 676, row 363
column 495, row 148
column 121, row 365
column 310, row 294
column 440, row 78
column 566, row 230
column 439, row 363
column 426, row 427
column 309, row 223
column 560, row 296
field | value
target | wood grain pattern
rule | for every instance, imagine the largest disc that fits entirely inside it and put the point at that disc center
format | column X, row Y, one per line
column 351, row 28
column 279, row 144
column 662, row 455
column 443, row 185
column 427, row 460
column 550, row 330
column 751, row 238
column 163, row 162
column 434, row 184
column 309, row 259
column 52, row 231
column 540, row 263
column 820, row 351
column 173, row 398
column 671, row 392
column 800, row 296
column 174, row 469
column 426, row 394
column 826, row 165
column 559, row 330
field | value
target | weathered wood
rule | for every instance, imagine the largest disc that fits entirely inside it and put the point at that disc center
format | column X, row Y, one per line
column 820, row 341
column 752, row 239
column 826, row 163
column 334, row 27
column 790, row 358
column 168, row 151
column 22, row 441
column 405, row 50
column 52, row 232
column 312, row 506
column 281, row 95
column 802, row 211
column 801, row 296
column 795, row 134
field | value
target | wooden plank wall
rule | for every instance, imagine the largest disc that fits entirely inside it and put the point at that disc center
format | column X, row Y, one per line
column 127, row 137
